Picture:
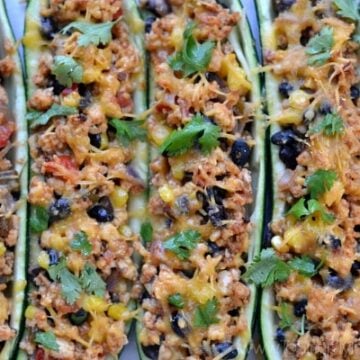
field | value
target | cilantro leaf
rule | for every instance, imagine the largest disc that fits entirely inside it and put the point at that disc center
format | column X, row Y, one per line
column 298, row 210
column 320, row 182
column 47, row 339
column 39, row 219
column 267, row 269
column 91, row 33
column 70, row 285
column 303, row 265
column 176, row 300
column 319, row 47
column 206, row 314
column 181, row 243
column 193, row 57
column 91, row 281
column 182, row 140
column 315, row 207
column 146, row 232
column 37, row 118
column 81, row 243
column 347, row 9
column 331, row 125
column 127, row 131
column 67, row 70
column 286, row 317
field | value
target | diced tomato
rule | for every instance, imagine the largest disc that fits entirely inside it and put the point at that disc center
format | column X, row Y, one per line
column 67, row 161
column 40, row 354
column 124, row 99
column 5, row 134
column 68, row 91
column 63, row 167
column 117, row 14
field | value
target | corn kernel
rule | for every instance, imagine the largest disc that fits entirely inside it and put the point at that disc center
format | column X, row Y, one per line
column 94, row 303
column 299, row 239
column 116, row 311
column 30, row 312
column 57, row 242
column 125, row 230
column 278, row 244
column 73, row 99
column 43, row 260
column 98, row 328
column 119, row 197
column 178, row 170
column 159, row 133
column 299, row 99
column 166, row 194
column 2, row 249
column 288, row 116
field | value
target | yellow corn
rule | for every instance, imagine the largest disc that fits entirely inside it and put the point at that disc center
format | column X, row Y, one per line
column 116, row 311
column 166, row 194
column 94, row 303
column 299, row 99
column 57, row 242
column 2, row 249
column 73, row 99
column 119, row 197
column 43, row 260
column 30, row 312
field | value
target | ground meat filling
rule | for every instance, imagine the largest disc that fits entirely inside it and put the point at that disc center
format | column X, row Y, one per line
column 319, row 146
column 194, row 300
column 9, row 187
column 85, row 280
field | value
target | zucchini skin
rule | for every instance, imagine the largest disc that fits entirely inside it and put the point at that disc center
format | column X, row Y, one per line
column 16, row 91
column 140, row 161
column 244, row 46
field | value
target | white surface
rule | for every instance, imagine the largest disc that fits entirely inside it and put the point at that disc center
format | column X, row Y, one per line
column 16, row 11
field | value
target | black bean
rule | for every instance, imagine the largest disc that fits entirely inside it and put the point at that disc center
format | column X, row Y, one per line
column 214, row 249
column 285, row 88
column 306, row 34
column 59, row 209
column 335, row 242
column 148, row 23
column 216, row 215
column 179, row 324
column 159, row 7
column 355, row 268
column 282, row 5
column 325, row 108
column 300, row 307
column 212, row 76
column 57, row 87
column 95, row 140
column 182, row 202
column 284, row 137
column 288, row 155
column 240, row 152
column 217, row 193
column 48, row 28
column 280, row 336
column 337, row 282
column 189, row 273
column 103, row 211
column 53, row 257
column 79, row 317
column 354, row 92
column 222, row 347
column 151, row 351
column 357, row 228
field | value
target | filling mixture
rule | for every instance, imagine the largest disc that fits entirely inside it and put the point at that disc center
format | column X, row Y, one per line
column 197, row 238
column 84, row 278
column 9, row 191
column 314, row 262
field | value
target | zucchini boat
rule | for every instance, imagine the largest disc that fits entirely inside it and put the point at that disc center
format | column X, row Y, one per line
column 86, row 96
column 206, row 199
column 310, row 304
column 13, row 178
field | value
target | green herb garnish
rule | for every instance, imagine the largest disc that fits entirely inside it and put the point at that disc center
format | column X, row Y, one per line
column 81, row 243
column 47, row 339
column 319, row 47
column 181, row 243
column 39, row 219
column 67, row 70
column 176, row 300
column 127, row 131
column 206, row 314
column 320, row 182
column 146, row 232
column 91, row 281
column 348, row 9
column 331, row 125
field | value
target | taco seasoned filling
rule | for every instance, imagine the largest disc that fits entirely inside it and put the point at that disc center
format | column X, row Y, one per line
column 9, row 190
column 196, row 241
column 82, row 144
column 312, row 52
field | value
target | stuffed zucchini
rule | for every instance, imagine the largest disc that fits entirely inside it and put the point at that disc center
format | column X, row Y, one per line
column 310, row 304
column 13, row 177
column 206, row 180
column 86, row 96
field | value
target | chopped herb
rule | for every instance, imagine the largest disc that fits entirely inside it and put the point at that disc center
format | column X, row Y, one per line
column 347, row 9
column 47, row 339
column 67, row 70
column 146, row 232
column 320, row 182
column 70, row 284
column 286, row 317
column 81, row 243
column 303, row 265
column 193, row 57
column 299, row 210
column 37, row 118
column 182, row 140
column 92, row 33
column 91, row 281
column 39, row 219
column 267, row 269
column 319, row 47
column 331, row 125
column 127, row 131
column 181, row 243
column 206, row 314
column 176, row 300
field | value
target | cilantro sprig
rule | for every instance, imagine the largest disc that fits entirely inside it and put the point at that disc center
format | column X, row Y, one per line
column 37, row 118
column 320, row 182
column 319, row 47
column 193, row 57
column 39, row 219
column 206, row 314
column 182, row 243
column 146, row 232
column 67, row 70
column 332, row 124
column 81, row 243
column 176, row 300
column 91, row 281
column 48, row 340
column 348, row 9
column 92, row 33
column 267, row 268
column 288, row 320
column 197, row 130
column 128, row 131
